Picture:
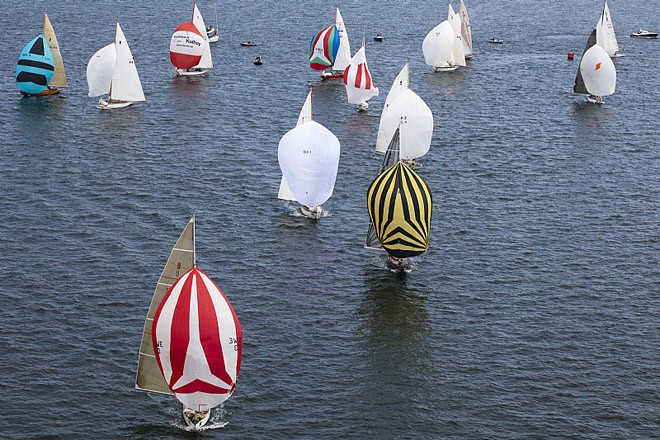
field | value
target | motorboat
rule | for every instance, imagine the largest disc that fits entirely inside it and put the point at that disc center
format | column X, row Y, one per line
column 378, row 37
column 495, row 40
column 258, row 61
column 248, row 43
column 643, row 33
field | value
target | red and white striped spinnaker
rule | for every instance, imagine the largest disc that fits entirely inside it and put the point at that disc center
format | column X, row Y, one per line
column 186, row 46
column 357, row 79
column 198, row 341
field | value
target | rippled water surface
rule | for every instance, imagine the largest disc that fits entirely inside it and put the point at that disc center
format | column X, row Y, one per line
column 534, row 314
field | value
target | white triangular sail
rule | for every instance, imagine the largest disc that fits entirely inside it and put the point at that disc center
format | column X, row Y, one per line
column 598, row 72
column 309, row 159
column 100, row 70
column 206, row 62
column 466, row 30
column 438, row 46
column 126, row 85
column 59, row 77
column 305, row 116
column 358, row 81
column 182, row 258
column 343, row 57
column 605, row 35
column 455, row 21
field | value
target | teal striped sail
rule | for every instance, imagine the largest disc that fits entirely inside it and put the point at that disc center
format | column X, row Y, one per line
column 35, row 66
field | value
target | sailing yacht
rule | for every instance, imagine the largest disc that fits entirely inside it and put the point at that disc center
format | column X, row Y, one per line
column 360, row 87
column 330, row 49
column 112, row 71
column 605, row 35
column 190, row 52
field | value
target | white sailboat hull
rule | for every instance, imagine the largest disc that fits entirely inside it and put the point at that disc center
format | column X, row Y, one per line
column 110, row 104
column 190, row 72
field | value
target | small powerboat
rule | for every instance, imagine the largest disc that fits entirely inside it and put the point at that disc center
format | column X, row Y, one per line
column 248, row 43
column 212, row 34
column 378, row 37
column 643, row 33
column 258, row 61
column 495, row 40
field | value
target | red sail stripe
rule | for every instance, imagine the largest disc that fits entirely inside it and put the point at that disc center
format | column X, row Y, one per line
column 209, row 332
column 367, row 76
column 203, row 387
column 326, row 43
column 346, row 74
column 180, row 330
column 358, row 76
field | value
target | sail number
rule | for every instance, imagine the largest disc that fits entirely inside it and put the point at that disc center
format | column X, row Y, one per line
column 234, row 342
column 159, row 345
column 307, row 151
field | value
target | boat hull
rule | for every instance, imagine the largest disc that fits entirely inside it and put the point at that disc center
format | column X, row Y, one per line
column 445, row 69
column 195, row 420
column 46, row 92
column 595, row 99
column 313, row 212
column 331, row 75
column 188, row 72
column 110, row 104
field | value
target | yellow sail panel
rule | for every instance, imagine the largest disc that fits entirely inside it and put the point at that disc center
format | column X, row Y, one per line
column 59, row 78
column 180, row 261
column 400, row 207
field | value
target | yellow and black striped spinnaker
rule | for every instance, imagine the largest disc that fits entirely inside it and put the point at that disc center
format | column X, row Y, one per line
column 400, row 205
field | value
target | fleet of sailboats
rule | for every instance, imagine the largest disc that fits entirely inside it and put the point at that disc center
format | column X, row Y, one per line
column 190, row 52
column 112, row 71
column 192, row 339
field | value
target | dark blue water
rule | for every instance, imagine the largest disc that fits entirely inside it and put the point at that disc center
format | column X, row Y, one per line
column 534, row 314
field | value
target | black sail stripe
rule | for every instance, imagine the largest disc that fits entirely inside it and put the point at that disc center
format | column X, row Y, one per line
column 28, row 77
column 36, row 64
column 38, row 47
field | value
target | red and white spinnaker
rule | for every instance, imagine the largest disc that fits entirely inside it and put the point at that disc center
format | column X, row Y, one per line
column 186, row 46
column 197, row 341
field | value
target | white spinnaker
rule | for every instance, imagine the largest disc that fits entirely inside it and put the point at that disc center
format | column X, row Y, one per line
column 100, row 69
column 411, row 113
column 305, row 116
column 385, row 131
column 363, row 90
column 455, row 21
column 126, row 85
column 196, row 366
column 343, row 57
column 438, row 46
column 598, row 71
column 309, row 159
column 206, row 62
column 605, row 35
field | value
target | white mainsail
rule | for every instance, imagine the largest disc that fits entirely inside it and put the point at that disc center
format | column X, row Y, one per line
column 605, row 35
column 181, row 260
column 598, row 71
column 466, row 30
column 343, row 57
column 305, row 116
column 455, row 21
column 385, row 131
column 126, row 85
column 206, row 62
column 100, row 70
column 438, row 46
column 59, row 77
column 309, row 159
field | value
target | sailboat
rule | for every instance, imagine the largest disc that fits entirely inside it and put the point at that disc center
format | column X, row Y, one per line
column 192, row 340
column 47, row 75
column 330, row 49
column 466, row 30
column 597, row 75
column 360, row 87
column 404, row 108
column 400, row 207
column 438, row 48
column 605, row 35
column 284, row 192
column 456, row 25
column 112, row 71
column 212, row 31
column 190, row 52
column 309, row 159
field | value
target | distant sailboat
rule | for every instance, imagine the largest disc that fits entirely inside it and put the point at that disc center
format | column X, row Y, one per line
column 605, row 35
column 360, row 87
column 466, row 30
column 309, row 159
column 284, row 192
column 192, row 336
column 438, row 48
column 598, row 74
column 112, row 71
column 330, row 49
column 212, row 31
column 400, row 207
column 30, row 76
column 456, row 25
column 190, row 52
column 404, row 108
